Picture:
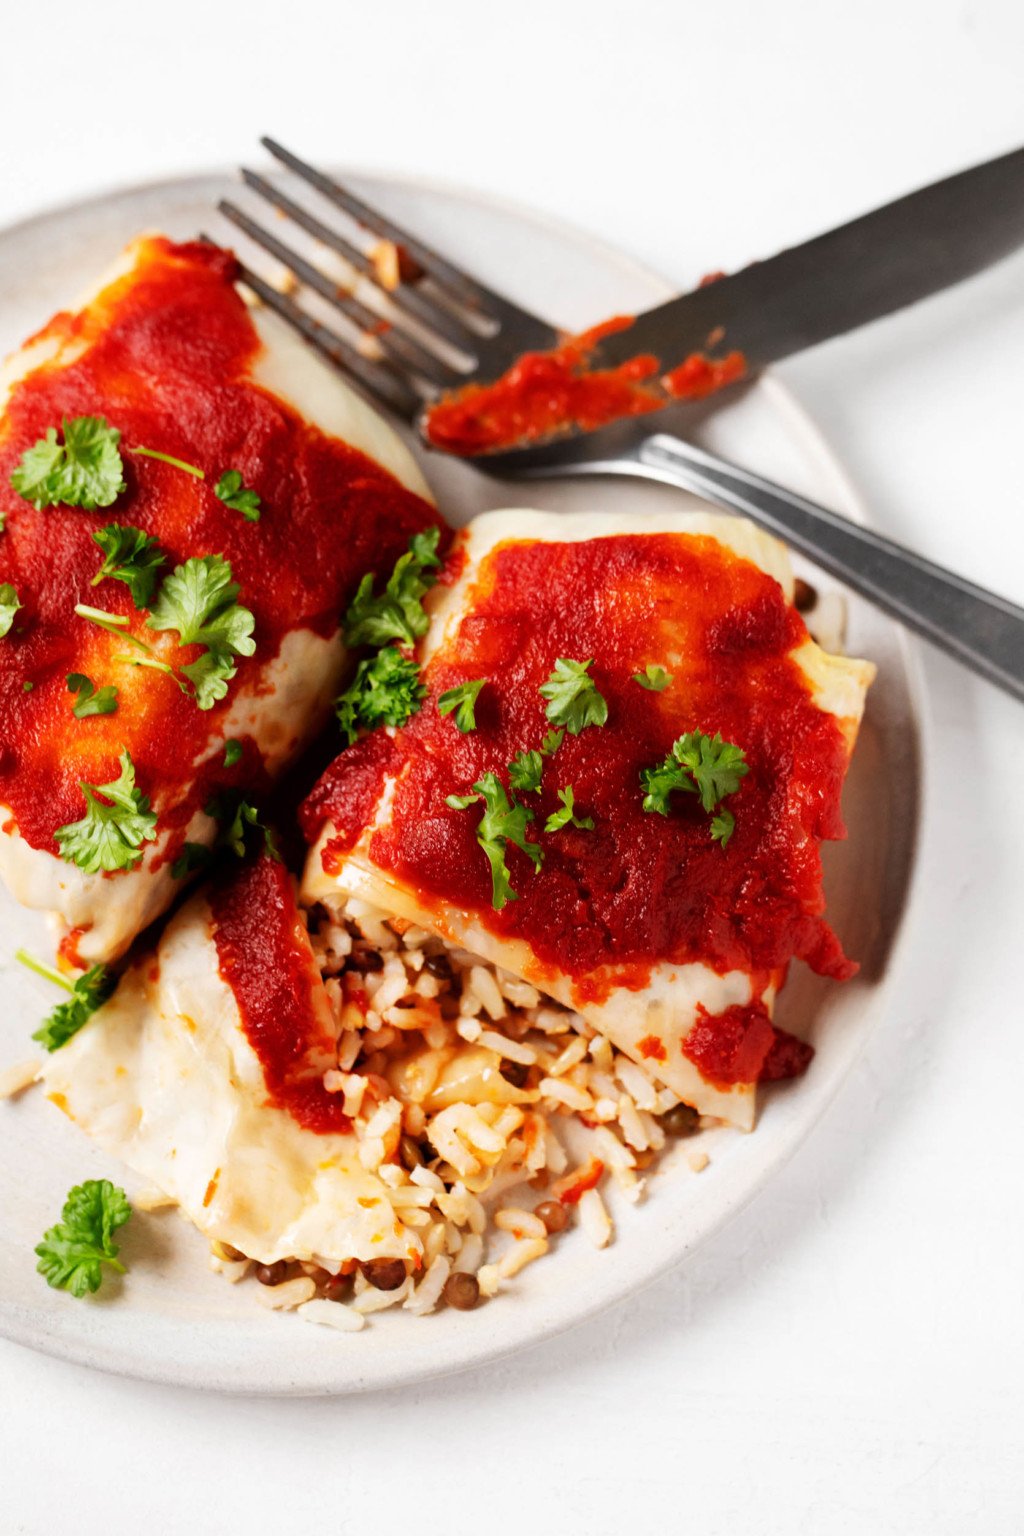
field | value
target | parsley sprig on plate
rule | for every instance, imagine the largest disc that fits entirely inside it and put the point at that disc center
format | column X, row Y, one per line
column 698, row 765
column 504, row 821
column 116, row 823
column 85, row 994
column 72, row 1253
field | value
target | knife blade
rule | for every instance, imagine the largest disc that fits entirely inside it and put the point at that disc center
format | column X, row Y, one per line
column 876, row 264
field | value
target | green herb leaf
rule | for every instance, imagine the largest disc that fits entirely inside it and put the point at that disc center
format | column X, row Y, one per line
column 574, row 700
column 198, row 599
column 722, row 827
column 236, row 816
column 567, row 814
column 525, row 771
column 717, row 766
column 9, row 606
column 653, row 677
column 697, row 765
column 504, row 821
column 397, row 614
column 193, row 856
column 230, row 490
column 659, row 782
column 84, row 471
column 232, row 752
column 91, row 700
column 85, row 995
column 132, row 557
column 386, row 690
column 72, row 1253
column 168, row 458
column 551, row 743
column 109, row 835
column 462, row 700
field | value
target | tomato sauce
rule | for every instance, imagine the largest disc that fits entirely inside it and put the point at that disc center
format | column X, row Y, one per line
column 640, row 888
column 167, row 355
column 742, row 1045
column 545, row 393
column 264, row 956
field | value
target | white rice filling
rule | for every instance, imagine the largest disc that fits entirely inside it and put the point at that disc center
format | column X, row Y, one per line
column 465, row 1087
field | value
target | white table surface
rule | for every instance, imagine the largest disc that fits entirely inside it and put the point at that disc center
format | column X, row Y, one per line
column 848, row 1356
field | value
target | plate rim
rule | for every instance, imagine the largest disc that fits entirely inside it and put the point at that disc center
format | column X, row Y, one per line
column 27, row 1330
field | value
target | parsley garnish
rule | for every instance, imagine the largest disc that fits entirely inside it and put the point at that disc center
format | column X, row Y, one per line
column 91, row 700
column 230, row 490
column 386, row 690
column 236, row 816
column 398, row 613
column 109, row 835
column 9, row 606
column 84, row 471
column 525, row 770
column 574, row 700
column 192, row 856
column 86, row 994
column 504, row 821
column 198, row 599
column 722, row 827
column 567, row 814
column 132, row 557
column 462, row 700
column 551, row 743
column 167, row 458
column 653, row 677
column 232, row 752
column 697, row 765
column 72, row 1253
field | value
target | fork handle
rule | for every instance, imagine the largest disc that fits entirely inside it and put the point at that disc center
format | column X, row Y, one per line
column 983, row 631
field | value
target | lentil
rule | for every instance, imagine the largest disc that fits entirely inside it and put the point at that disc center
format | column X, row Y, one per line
column 271, row 1274
column 553, row 1214
column 514, row 1072
column 461, row 1291
column 384, row 1274
column 681, row 1120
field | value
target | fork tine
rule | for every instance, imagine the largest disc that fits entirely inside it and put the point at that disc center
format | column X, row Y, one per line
column 463, row 288
column 396, row 343
column 387, row 387
column 405, row 297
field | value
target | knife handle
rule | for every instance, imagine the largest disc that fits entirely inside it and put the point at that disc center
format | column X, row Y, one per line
column 983, row 631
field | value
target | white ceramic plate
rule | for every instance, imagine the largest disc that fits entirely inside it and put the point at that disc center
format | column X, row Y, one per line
column 171, row 1319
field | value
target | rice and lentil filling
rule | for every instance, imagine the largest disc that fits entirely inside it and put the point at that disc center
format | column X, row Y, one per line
column 494, row 1116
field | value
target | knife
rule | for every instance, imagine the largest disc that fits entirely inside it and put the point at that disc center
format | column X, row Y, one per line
column 887, row 259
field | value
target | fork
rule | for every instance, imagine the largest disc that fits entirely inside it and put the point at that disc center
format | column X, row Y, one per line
column 433, row 327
